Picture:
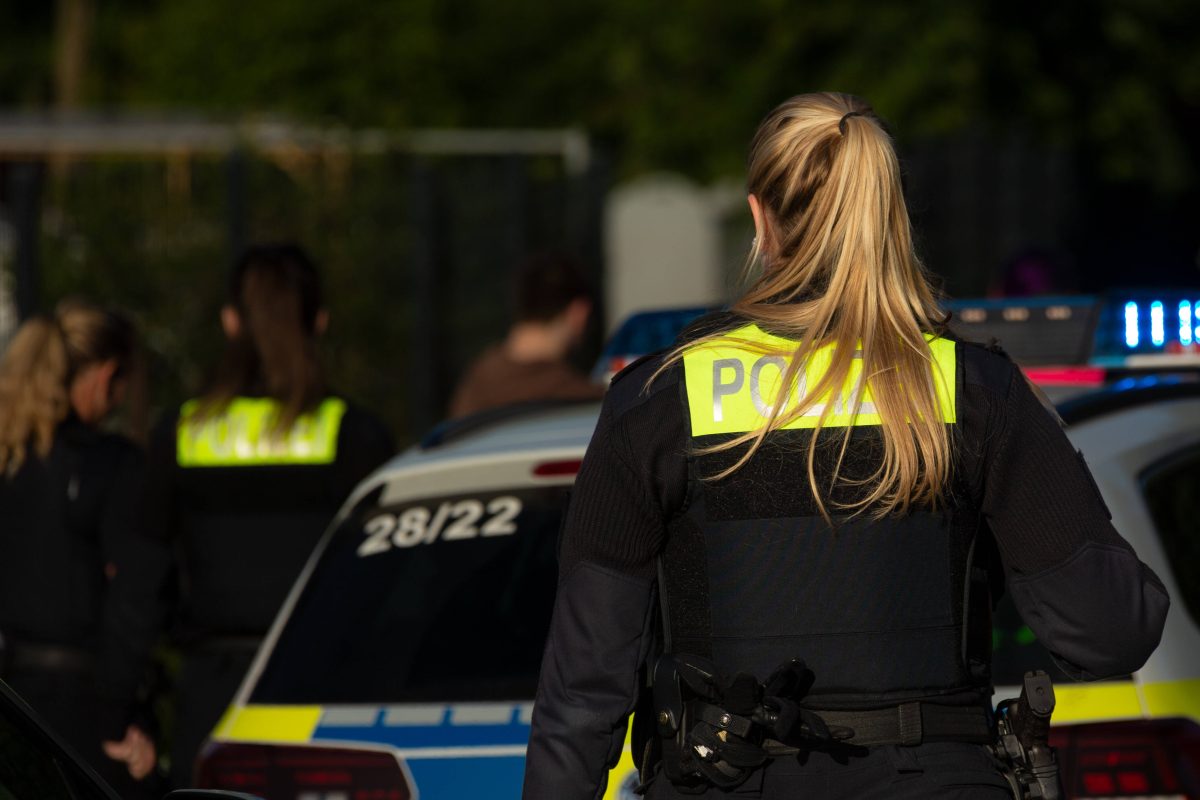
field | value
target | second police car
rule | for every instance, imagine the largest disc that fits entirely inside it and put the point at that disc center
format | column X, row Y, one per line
column 405, row 661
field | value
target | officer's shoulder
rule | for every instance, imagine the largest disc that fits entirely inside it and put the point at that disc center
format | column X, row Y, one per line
column 709, row 324
column 640, row 381
column 119, row 450
column 986, row 365
column 359, row 418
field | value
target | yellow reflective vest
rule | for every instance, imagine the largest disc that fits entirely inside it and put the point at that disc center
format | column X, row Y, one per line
column 244, row 435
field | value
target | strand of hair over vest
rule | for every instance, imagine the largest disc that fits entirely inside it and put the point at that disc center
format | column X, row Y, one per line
column 275, row 352
column 843, row 273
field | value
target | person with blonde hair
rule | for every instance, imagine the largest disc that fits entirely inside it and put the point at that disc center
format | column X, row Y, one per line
column 786, row 534
column 78, row 581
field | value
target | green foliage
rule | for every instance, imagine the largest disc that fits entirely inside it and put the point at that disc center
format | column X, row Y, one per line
column 680, row 86
column 25, row 69
column 676, row 86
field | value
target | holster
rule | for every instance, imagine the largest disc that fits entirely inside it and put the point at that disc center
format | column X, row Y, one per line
column 1023, row 740
column 715, row 730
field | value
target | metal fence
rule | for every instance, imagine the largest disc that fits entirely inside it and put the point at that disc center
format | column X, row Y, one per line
column 416, row 233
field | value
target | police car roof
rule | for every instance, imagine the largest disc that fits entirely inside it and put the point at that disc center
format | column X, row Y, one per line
column 526, row 429
column 1129, row 392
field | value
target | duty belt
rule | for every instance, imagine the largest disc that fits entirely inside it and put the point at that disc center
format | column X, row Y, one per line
column 912, row 724
column 715, row 729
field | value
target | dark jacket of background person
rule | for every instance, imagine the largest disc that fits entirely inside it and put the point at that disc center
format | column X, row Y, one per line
column 553, row 304
column 786, row 540
column 244, row 480
column 79, row 582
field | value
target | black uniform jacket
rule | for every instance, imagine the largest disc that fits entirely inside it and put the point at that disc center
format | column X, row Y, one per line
column 76, row 570
column 240, row 534
column 1076, row 582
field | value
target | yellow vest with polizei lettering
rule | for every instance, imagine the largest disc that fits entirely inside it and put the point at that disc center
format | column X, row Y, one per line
column 733, row 382
column 243, row 435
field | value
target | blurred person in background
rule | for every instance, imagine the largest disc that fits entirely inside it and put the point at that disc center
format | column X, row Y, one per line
column 553, row 304
column 245, row 478
column 79, row 582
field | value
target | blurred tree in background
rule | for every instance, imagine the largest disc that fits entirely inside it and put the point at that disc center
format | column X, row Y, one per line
column 677, row 87
column 1111, row 85
column 1108, row 88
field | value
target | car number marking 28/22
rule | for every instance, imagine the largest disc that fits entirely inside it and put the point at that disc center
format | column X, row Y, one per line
column 452, row 520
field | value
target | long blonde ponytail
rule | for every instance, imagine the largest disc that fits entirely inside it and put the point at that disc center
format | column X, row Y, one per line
column 842, row 272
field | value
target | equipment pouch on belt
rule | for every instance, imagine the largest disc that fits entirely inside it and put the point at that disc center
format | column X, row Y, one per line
column 715, row 729
column 1023, row 740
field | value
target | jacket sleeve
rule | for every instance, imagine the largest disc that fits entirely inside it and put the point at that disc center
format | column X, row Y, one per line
column 1076, row 582
column 601, row 632
column 132, row 614
column 590, row 678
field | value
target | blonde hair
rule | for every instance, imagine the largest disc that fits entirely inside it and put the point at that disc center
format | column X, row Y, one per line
column 843, row 272
column 44, row 356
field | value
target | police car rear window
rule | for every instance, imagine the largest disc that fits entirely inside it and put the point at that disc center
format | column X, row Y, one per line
column 439, row 599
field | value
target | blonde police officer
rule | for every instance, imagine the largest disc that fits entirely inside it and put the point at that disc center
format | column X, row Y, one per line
column 819, row 474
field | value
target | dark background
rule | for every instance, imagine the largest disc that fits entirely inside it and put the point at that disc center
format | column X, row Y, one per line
column 1069, row 130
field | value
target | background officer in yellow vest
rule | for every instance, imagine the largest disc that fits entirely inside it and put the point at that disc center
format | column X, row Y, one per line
column 245, row 478
column 821, row 475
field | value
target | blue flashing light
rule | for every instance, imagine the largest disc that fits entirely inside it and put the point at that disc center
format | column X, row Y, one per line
column 1131, row 324
column 1157, row 332
column 1185, row 322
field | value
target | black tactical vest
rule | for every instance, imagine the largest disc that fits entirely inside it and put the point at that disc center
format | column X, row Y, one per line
column 753, row 575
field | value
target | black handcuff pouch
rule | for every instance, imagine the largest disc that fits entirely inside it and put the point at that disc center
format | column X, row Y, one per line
column 715, row 729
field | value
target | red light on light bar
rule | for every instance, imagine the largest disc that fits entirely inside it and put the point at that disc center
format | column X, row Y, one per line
column 557, row 469
column 1066, row 376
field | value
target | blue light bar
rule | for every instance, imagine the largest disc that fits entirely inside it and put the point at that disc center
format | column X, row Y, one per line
column 1185, row 322
column 1131, row 324
column 1157, row 331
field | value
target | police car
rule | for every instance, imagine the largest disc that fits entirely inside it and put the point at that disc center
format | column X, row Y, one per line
column 404, row 663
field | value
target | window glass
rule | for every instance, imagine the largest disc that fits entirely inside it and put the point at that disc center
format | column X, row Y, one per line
column 1172, row 492
column 32, row 766
column 442, row 599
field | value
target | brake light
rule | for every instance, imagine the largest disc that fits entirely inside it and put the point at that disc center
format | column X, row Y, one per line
column 555, row 469
column 1151, row 759
column 1067, row 376
column 303, row 773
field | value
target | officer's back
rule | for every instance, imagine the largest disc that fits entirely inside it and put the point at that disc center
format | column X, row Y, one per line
column 245, row 478
column 810, row 486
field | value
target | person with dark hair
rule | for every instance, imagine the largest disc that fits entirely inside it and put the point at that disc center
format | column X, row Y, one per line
column 245, row 478
column 553, row 304
column 78, row 581
column 792, row 524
